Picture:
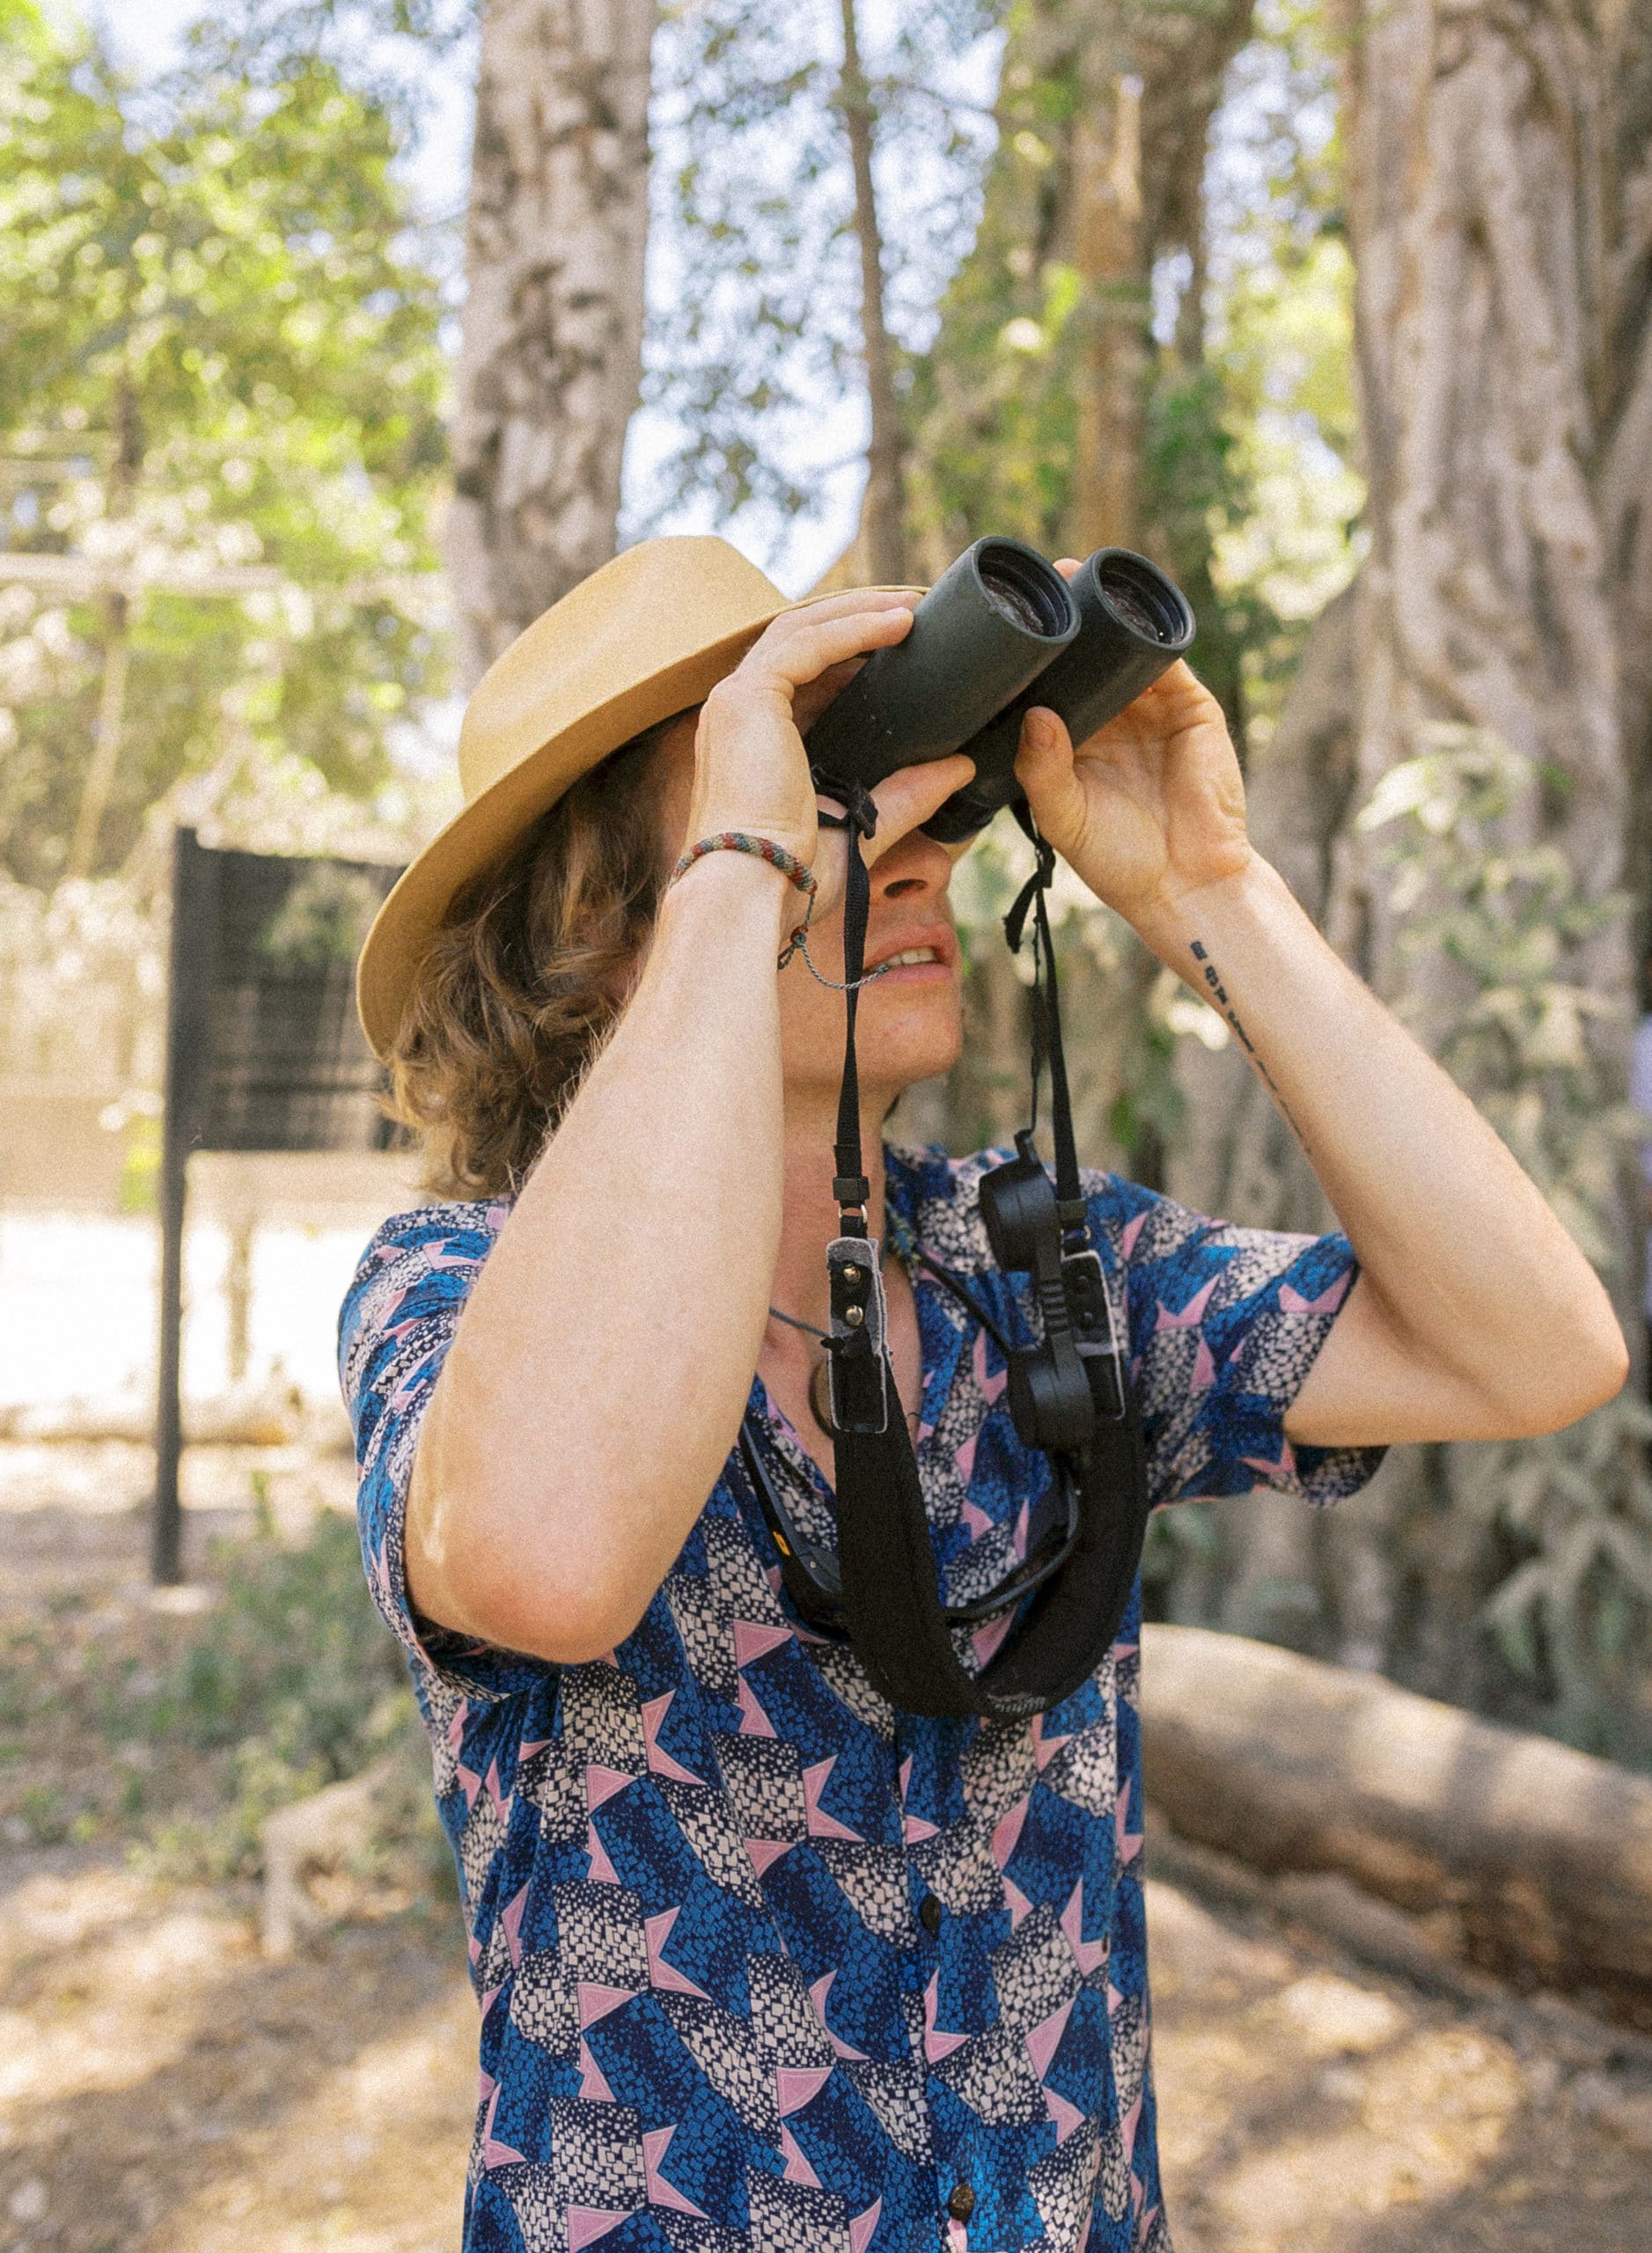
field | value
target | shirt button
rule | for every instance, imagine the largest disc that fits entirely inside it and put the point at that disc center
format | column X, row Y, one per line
column 961, row 2205
column 929, row 1915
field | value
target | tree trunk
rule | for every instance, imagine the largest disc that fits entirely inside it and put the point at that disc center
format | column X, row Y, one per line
column 105, row 746
column 1501, row 211
column 551, row 356
column 1116, row 356
column 124, row 472
column 1492, row 335
column 1103, row 124
column 1625, row 480
column 883, row 511
column 1481, row 205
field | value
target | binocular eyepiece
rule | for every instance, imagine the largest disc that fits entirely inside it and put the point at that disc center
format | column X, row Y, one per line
column 1000, row 631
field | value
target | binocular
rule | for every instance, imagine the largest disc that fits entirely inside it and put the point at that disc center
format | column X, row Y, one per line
column 1000, row 631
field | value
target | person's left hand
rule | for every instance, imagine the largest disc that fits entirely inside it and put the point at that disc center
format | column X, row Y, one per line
column 1149, row 809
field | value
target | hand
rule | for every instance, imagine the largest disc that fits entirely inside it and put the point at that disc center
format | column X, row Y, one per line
column 751, row 769
column 1149, row 809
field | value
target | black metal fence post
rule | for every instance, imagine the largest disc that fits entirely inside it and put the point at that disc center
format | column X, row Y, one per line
column 188, row 1051
column 263, row 1053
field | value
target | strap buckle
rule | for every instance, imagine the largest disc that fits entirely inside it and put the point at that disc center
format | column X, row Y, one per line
column 1095, row 1333
column 857, row 1370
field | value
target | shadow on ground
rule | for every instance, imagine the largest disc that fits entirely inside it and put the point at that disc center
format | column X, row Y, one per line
column 1307, row 2105
column 164, row 2087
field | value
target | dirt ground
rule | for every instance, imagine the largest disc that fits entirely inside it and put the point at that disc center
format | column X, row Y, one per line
column 165, row 2089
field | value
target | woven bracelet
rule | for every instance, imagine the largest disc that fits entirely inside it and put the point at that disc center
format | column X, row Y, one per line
column 761, row 849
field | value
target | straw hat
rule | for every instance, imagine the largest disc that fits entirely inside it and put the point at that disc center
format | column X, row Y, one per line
column 647, row 635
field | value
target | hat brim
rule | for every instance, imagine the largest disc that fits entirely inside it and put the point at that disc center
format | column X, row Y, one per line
column 414, row 908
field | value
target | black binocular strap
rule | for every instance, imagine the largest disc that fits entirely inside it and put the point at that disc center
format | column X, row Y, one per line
column 851, row 1188
column 891, row 1602
column 891, row 1597
column 1046, row 1004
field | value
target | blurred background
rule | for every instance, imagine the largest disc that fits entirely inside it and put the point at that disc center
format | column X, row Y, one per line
column 339, row 338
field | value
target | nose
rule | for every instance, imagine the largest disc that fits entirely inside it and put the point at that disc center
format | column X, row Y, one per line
column 916, row 868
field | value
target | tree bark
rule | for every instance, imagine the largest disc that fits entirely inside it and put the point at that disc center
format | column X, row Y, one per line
column 1116, row 357
column 1481, row 207
column 883, row 510
column 1625, row 481
column 1499, row 321
column 550, row 360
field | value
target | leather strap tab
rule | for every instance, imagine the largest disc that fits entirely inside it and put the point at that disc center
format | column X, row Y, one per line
column 858, row 1369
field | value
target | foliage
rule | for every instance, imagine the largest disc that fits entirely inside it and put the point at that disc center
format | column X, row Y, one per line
column 993, row 413
column 1512, row 1023
column 1491, row 927
column 994, row 402
column 288, row 1684
column 386, row 48
column 219, row 433
column 756, row 318
column 178, row 1735
column 323, row 920
column 289, row 1658
column 1247, row 492
column 1279, row 342
column 82, row 970
column 1178, row 1536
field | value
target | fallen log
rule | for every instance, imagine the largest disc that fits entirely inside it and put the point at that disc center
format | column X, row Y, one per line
column 1544, row 1854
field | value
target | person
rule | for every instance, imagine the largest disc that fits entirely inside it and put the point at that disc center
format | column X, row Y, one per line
column 762, row 1961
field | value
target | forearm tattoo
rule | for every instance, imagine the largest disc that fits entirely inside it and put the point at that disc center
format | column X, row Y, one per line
column 1217, row 994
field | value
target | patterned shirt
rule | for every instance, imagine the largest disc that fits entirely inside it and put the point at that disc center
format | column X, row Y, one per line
column 763, row 1962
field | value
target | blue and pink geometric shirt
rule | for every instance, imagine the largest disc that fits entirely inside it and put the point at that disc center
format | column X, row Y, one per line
column 765, row 1966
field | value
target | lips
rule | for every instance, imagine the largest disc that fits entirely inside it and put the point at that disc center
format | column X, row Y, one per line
column 939, row 944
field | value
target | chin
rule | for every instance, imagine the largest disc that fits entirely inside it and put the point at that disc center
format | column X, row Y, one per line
column 896, row 1046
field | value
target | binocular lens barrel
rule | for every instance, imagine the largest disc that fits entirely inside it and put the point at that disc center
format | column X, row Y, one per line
column 990, row 623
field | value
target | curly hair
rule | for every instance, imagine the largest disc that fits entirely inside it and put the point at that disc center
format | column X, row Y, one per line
column 528, row 976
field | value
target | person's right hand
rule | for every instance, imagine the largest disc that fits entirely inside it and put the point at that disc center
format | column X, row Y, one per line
column 751, row 770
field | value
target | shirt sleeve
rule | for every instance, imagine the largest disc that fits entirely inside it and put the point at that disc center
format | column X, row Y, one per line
column 395, row 1326
column 1225, row 1323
